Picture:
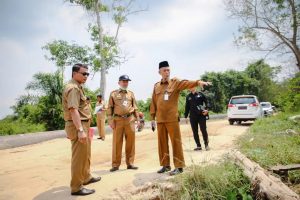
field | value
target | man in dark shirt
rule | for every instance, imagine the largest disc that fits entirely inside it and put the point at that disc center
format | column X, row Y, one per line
column 197, row 107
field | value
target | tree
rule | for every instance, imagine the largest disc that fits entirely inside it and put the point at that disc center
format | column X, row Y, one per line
column 106, row 46
column 257, row 79
column 65, row 54
column 268, row 25
column 215, row 95
column 144, row 107
column 43, row 102
column 289, row 97
column 263, row 76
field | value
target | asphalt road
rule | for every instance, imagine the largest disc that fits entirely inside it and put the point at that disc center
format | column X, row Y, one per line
column 12, row 141
column 42, row 171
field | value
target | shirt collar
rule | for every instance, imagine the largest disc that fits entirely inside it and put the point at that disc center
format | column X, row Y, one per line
column 76, row 82
column 165, row 82
column 122, row 90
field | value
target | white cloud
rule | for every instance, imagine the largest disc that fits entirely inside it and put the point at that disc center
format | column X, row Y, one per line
column 192, row 35
column 180, row 20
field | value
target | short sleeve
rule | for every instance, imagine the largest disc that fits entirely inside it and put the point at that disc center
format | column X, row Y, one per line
column 73, row 98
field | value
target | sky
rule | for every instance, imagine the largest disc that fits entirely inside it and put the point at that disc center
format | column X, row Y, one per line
column 195, row 36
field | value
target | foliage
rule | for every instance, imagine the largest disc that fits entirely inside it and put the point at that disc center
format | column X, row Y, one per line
column 144, row 107
column 268, row 25
column 289, row 97
column 11, row 126
column 274, row 141
column 224, row 180
column 65, row 54
column 257, row 79
column 43, row 103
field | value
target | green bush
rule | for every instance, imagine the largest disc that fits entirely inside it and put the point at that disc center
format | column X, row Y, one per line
column 272, row 141
column 11, row 126
column 224, row 180
column 289, row 98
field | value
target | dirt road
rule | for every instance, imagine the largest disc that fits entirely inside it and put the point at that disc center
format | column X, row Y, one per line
column 42, row 171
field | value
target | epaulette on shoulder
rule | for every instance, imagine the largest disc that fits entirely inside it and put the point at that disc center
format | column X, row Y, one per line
column 175, row 79
column 129, row 91
column 156, row 83
column 114, row 91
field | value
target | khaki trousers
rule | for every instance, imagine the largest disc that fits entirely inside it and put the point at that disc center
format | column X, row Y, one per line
column 81, row 156
column 172, row 130
column 125, row 127
column 101, row 126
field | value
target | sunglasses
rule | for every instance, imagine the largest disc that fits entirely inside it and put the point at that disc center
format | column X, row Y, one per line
column 84, row 73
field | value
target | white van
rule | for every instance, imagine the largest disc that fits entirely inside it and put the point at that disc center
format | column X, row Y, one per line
column 244, row 108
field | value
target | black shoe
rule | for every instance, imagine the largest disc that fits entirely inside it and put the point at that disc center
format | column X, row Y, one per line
column 114, row 169
column 83, row 192
column 164, row 169
column 198, row 149
column 132, row 167
column 93, row 180
column 176, row 171
column 101, row 138
column 207, row 148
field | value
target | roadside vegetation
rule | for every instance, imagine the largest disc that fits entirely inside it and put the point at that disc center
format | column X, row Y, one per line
column 274, row 141
column 219, row 181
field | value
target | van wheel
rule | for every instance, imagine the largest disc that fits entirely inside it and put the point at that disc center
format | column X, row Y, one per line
column 231, row 122
column 239, row 122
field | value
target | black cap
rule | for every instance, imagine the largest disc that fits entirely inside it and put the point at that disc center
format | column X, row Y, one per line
column 163, row 64
column 124, row 78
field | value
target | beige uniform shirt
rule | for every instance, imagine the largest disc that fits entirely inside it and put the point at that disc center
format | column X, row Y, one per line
column 164, row 103
column 102, row 113
column 73, row 97
column 121, row 102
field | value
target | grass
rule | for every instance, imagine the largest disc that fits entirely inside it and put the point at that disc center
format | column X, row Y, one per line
column 219, row 181
column 274, row 141
column 269, row 141
column 9, row 126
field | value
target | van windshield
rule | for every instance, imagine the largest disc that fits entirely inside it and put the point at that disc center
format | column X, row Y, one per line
column 242, row 100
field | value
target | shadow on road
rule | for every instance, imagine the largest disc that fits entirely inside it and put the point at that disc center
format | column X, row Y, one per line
column 142, row 178
column 105, row 172
column 244, row 124
column 62, row 192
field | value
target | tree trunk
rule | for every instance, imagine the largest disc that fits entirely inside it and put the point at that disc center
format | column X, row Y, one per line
column 103, row 82
column 297, row 54
column 269, row 187
column 103, row 64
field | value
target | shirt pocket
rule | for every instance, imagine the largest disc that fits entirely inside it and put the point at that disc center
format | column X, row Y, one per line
column 157, row 91
column 170, row 91
column 117, row 100
column 129, row 97
column 83, row 105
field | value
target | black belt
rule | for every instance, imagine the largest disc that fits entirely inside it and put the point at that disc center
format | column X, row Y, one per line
column 123, row 116
column 83, row 120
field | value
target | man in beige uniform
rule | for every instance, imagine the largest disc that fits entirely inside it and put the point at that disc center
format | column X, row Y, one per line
column 101, row 115
column 77, row 115
column 164, row 108
column 122, row 113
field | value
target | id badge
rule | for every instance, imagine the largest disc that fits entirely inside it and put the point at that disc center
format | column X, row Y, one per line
column 125, row 103
column 166, row 96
